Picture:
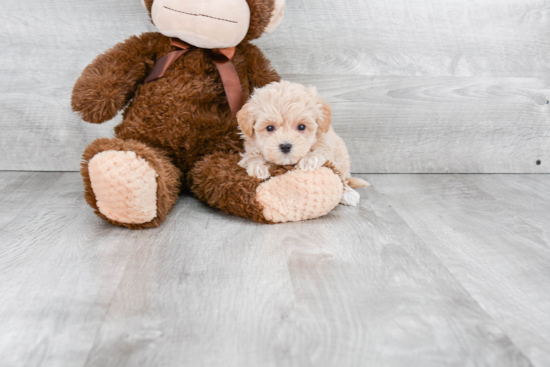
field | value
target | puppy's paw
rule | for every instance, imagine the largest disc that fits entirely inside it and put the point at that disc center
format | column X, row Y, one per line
column 259, row 170
column 350, row 197
column 311, row 162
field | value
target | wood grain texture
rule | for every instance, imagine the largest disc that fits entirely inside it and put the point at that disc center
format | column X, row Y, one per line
column 484, row 38
column 492, row 233
column 357, row 287
column 18, row 190
column 440, row 125
column 429, row 86
column 59, row 268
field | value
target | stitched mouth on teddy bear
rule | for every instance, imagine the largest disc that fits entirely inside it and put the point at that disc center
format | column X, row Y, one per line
column 200, row 15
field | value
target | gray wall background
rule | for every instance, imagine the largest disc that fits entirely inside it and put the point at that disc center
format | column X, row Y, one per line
column 416, row 85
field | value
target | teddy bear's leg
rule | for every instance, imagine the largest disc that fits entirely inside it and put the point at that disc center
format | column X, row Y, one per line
column 295, row 195
column 128, row 183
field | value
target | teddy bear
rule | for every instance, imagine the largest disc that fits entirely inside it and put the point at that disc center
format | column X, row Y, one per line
column 179, row 90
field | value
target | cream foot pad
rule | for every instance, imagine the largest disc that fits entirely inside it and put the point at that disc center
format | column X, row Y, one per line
column 300, row 195
column 125, row 186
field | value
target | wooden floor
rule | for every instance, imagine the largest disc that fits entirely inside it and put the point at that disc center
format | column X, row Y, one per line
column 430, row 270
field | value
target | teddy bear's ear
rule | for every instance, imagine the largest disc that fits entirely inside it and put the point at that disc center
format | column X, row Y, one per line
column 276, row 16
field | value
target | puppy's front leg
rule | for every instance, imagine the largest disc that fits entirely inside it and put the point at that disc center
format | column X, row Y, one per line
column 320, row 153
column 255, row 165
column 314, row 159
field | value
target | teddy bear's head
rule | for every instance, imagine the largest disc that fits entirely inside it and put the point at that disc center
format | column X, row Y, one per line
column 215, row 23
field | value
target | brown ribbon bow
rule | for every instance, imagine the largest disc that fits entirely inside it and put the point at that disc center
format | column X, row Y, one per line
column 221, row 57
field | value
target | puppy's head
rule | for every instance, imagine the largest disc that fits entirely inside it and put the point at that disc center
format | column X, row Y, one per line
column 283, row 121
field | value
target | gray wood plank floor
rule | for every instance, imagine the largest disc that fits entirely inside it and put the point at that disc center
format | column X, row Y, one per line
column 430, row 270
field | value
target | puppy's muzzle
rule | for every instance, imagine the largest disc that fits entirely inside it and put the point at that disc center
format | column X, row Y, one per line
column 285, row 148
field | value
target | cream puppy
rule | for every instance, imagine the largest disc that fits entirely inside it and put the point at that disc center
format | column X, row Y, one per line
column 286, row 124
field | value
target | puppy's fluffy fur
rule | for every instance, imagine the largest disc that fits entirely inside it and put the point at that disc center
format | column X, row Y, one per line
column 286, row 123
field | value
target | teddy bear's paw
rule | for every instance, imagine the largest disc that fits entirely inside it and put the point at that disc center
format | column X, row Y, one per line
column 125, row 186
column 311, row 162
column 259, row 170
column 92, row 104
column 299, row 195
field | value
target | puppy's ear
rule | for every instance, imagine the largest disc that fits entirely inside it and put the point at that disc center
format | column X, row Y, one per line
column 245, row 121
column 325, row 117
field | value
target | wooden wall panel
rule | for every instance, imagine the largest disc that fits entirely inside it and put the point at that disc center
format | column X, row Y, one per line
column 440, row 124
column 417, row 86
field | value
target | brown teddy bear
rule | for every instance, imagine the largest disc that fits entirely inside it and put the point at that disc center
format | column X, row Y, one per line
column 180, row 89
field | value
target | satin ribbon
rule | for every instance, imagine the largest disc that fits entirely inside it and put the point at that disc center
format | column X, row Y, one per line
column 221, row 57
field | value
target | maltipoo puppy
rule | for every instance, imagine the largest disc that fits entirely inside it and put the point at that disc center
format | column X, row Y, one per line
column 286, row 124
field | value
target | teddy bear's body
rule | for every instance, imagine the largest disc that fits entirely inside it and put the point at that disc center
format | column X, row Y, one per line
column 187, row 108
column 178, row 131
column 191, row 117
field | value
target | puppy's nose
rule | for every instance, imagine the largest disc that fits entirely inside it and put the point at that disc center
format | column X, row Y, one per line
column 285, row 148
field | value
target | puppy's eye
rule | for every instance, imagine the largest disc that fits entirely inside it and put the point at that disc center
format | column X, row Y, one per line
column 301, row 127
column 270, row 128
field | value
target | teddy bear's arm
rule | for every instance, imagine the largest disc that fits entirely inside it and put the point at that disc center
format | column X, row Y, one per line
column 260, row 72
column 109, row 82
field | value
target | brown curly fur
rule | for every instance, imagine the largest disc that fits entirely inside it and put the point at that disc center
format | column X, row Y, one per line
column 178, row 120
column 217, row 182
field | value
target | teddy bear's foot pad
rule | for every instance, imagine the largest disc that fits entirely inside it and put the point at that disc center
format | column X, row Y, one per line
column 125, row 186
column 300, row 195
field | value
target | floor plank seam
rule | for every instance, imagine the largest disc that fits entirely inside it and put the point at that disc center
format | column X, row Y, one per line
column 523, row 353
column 107, row 309
column 23, row 209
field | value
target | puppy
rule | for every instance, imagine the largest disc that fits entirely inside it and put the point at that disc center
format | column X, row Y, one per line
column 286, row 123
